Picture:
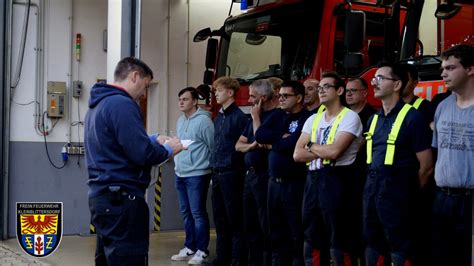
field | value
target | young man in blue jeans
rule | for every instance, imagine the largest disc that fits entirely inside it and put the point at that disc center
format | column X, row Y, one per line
column 193, row 174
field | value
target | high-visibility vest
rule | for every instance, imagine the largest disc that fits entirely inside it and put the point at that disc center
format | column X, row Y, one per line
column 332, row 132
column 392, row 137
column 417, row 103
column 321, row 109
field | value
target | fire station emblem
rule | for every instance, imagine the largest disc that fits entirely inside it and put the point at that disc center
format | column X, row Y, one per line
column 39, row 227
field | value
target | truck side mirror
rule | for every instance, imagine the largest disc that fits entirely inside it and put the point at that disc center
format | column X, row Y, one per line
column 202, row 35
column 208, row 77
column 211, row 53
column 354, row 31
column 447, row 10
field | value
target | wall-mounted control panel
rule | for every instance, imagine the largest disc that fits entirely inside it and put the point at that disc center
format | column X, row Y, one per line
column 56, row 99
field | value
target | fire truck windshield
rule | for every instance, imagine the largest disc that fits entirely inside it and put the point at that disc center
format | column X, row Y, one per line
column 262, row 45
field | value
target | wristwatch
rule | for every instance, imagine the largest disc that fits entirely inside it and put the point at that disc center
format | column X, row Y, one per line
column 308, row 146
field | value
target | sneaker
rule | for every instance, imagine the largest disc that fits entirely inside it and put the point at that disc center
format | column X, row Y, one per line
column 183, row 254
column 198, row 258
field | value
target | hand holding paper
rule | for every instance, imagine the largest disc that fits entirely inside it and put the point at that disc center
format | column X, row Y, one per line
column 186, row 142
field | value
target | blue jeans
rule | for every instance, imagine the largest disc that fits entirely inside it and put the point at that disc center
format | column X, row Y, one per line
column 192, row 195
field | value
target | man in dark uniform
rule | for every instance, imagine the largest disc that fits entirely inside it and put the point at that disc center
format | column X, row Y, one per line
column 228, row 177
column 119, row 156
column 287, row 178
column 400, row 162
column 256, row 180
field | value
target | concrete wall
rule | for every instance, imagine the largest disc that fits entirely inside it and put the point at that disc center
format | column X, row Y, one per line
column 167, row 28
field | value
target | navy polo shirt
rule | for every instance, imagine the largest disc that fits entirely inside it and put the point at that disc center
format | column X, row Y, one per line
column 257, row 158
column 413, row 137
column 280, row 159
column 423, row 108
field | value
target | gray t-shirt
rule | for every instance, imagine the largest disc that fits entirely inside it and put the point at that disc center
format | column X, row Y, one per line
column 453, row 136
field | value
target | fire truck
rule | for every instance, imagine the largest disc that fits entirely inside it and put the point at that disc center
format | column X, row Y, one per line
column 300, row 39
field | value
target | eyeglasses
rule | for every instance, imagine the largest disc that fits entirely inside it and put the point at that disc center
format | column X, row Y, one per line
column 285, row 95
column 325, row 87
column 353, row 90
column 377, row 79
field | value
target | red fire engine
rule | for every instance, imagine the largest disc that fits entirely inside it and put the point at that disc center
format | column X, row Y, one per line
column 300, row 39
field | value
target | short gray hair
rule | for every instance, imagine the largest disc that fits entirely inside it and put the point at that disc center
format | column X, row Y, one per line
column 263, row 87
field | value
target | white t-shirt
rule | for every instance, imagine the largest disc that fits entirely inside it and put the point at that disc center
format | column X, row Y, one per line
column 350, row 123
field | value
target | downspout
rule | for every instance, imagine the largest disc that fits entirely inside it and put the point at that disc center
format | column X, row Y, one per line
column 166, row 91
column 188, row 28
column 70, row 75
column 138, row 27
column 6, row 118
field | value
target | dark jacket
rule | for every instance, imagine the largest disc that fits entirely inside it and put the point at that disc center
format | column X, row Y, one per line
column 280, row 159
column 118, row 149
column 228, row 126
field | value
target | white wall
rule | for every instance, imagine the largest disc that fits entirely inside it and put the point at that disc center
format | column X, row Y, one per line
column 167, row 47
column 168, row 27
column 63, row 19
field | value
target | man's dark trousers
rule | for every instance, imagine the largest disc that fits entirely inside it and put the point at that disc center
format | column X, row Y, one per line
column 227, row 191
column 285, row 199
column 122, row 226
column 255, row 209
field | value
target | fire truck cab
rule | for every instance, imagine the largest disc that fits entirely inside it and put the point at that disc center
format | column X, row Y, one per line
column 300, row 39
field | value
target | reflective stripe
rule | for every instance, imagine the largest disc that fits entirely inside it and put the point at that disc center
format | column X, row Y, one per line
column 368, row 138
column 392, row 137
column 321, row 109
column 417, row 103
column 319, row 115
column 332, row 132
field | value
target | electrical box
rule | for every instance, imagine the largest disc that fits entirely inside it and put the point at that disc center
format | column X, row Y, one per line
column 76, row 88
column 56, row 99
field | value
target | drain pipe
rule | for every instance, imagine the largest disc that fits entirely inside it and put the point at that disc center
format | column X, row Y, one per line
column 70, row 75
column 6, row 120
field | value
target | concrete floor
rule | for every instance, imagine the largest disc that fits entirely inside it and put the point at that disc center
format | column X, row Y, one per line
column 79, row 250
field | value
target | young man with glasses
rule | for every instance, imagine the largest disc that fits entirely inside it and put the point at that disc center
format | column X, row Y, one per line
column 453, row 137
column 399, row 163
column 256, row 180
column 286, row 184
column 329, row 143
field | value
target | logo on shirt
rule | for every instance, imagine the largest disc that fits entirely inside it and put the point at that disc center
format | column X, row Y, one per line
column 293, row 126
column 39, row 227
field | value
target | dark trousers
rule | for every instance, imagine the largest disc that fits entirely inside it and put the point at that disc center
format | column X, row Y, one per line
column 227, row 191
column 330, row 216
column 389, row 215
column 255, row 217
column 452, row 229
column 284, row 217
column 122, row 227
